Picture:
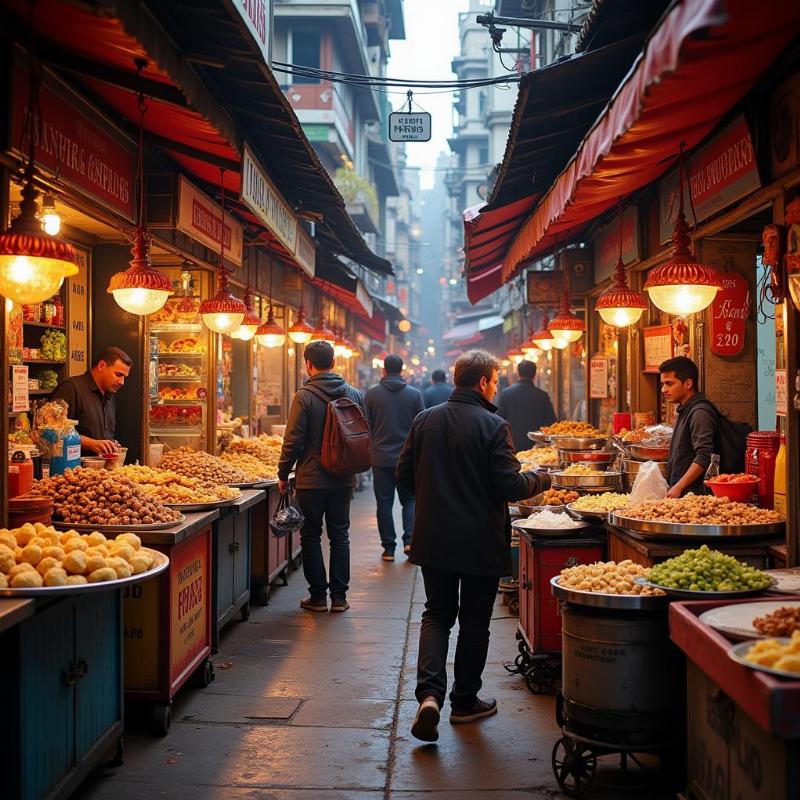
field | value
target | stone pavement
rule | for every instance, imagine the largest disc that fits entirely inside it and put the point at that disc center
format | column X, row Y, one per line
column 312, row 706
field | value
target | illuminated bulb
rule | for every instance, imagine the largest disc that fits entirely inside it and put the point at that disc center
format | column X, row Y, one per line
column 223, row 322
column 9, row 305
column 682, row 299
column 559, row 343
column 24, row 279
column 620, row 317
column 51, row 222
column 140, row 301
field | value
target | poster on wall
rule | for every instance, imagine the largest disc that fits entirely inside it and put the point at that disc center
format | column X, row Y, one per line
column 781, row 393
column 20, row 396
column 598, row 379
column 658, row 346
column 730, row 311
column 78, row 316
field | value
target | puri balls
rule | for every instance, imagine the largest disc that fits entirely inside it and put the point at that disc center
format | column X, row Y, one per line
column 55, row 577
column 76, row 580
column 32, row 554
column 94, row 563
column 130, row 539
column 75, row 562
column 101, row 575
column 27, row 580
column 8, row 539
column 25, row 534
column 76, row 543
column 53, row 551
column 46, row 564
column 7, row 558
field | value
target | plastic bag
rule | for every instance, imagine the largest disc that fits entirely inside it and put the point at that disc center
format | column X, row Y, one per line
column 287, row 517
column 649, row 484
column 657, row 436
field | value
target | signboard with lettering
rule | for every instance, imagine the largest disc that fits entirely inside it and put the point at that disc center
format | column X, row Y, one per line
column 201, row 218
column 305, row 253
column 658, row 346
column 606, row 244
column 78, row 316
column 20, row 397
column 75, row 142
column 729, row 314
column 409, row 126
column 781, row 393
column 720, row 173
column 255, row 15
column 598, row 379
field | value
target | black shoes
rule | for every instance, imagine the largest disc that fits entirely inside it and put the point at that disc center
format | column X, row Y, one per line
column 426, row 723
column 339, row 605
column 407, row 549
column 314, row 603
column 481, row 708
column 388, row 555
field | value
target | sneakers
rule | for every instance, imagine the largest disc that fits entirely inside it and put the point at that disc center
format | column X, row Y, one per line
column 426, row 723
column 388, row 555
column 339, row 605
column 407, row 549
column 481, row 708
column 314, row 604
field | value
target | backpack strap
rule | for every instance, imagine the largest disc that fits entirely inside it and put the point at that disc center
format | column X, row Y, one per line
column 320, row 395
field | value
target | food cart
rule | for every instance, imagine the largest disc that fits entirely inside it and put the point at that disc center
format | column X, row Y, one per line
column 270, row 554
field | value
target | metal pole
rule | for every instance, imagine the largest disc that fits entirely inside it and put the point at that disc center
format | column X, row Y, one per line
column 520, row 22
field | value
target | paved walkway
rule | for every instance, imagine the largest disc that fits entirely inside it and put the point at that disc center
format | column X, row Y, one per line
column 319, row 706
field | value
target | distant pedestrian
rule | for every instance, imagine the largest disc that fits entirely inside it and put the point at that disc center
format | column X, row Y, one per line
column 438, row 391
column 319, row 493
column 391, row 408
column 459, row 462
column 525, row 406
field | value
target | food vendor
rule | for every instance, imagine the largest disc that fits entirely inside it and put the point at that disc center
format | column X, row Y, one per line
column 695, row 430
column 91, row 399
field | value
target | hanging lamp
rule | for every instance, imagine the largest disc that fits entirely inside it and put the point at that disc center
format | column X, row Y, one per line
column 247, row 330
column 51, row 221
column 322, row 333
column 340, row 346
column 619, row 305
column 33, row 264
column 301, row 332
column 566, row 326
column 270, row 334
column 543, row 338
column 529, row 348
column 682, row 285
column 223, row 313
column 516, row 354
column 140, row 289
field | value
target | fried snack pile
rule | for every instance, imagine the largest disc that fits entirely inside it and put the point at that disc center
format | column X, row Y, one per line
column 608, row 501
column 608, row 578
column 580, row 469
column 633, row 437
column 773, row 654
column 570, row 428
column 37, row 555
column 254, row 467
column 207, row 469
column 782, row 621
column 90, row 497
column 702, row 510
column 707, row 570
column 189, row 344
column 557, row 497
column 265, row 449
column 542, row 456
column 171, row 488
column 736, row 477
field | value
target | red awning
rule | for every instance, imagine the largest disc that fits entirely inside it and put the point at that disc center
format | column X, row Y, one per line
column 702, row 59
column 374, row 327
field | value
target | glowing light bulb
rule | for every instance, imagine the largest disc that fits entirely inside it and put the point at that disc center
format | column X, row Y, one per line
column 620, row 317
column 51, row 223
column 140, row 301
column 223, row 322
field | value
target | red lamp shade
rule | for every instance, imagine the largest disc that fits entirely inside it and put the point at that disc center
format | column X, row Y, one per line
column 301, row 332
column 542, row 338
column 140, row 289
column 619, row 305
column 269, row 333
column 322, row 333
column 565, row 325
column 223, row 313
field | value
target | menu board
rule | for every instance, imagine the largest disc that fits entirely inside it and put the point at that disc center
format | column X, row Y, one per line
column 20, row 398
column 78, row 316
column 781, row 393
column 658, row 346
column 598, row 378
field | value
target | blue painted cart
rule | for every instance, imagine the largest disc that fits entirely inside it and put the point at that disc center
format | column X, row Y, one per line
column 270, row 554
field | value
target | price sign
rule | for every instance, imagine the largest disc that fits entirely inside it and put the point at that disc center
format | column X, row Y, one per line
column 729, row 314
column 781, row 393
column 657, row 346
column 598, row 379
column 20, row 399
column 409, row 126
column 78, row 316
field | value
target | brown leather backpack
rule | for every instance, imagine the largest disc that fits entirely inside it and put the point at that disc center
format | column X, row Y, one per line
column 346, row 440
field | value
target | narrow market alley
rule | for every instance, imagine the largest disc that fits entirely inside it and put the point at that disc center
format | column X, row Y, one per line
column 320, row 705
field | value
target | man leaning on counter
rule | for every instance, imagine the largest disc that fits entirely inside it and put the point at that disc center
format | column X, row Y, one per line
column 92, row 401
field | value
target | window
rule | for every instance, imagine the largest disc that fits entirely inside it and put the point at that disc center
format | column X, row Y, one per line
column 305, row 52
column 483, row 157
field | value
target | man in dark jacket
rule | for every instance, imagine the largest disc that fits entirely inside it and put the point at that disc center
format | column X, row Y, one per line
column 525, row 406
column 438, row 391
column 459, row 462
column 319, row 493
column 391, row 408
column 695, row 431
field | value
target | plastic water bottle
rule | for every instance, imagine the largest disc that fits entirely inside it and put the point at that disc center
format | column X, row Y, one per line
column 712, row 473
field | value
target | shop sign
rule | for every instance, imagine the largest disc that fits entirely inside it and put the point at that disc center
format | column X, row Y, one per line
column 363, row 298
column 189, row 574
column 200, row 217
column 74, row 142
column 78, row 315
column 305, row 254
column 598, row 378
column 410, row 126
column 720, row 173
column 781, row 393
column 20, row 398
column 142, row 634
column 255, row 15
column 658, row 346
column 729, row 314
column 606, row 244
column 542, row 287
column 261, row 196
column 784, row 127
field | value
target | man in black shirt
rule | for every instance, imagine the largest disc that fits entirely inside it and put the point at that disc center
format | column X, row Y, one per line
column 525, row 407
column 91, row 399
column 438, row 391
column 695, row 431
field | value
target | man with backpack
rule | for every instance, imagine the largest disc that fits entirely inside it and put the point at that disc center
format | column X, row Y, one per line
column 327, row 437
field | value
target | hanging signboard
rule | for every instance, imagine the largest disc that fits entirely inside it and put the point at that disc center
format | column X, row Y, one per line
column 730, row 311
column 409, row 126
column 20, row 398
column 781, row 393
column 305, row 253
column 78, row 315
column 606, row 244
column 720, row 173
column 200, row 217
column 658, row 346
column 598, row 379
column 255, row 15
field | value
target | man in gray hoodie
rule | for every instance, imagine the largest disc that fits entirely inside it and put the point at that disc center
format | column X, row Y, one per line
column 391, row 408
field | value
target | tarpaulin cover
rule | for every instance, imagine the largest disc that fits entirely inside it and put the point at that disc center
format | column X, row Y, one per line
column 704, row 56
column 341, row 285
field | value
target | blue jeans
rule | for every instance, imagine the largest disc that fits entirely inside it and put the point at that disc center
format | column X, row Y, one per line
column 384, row 485
column 334, row 505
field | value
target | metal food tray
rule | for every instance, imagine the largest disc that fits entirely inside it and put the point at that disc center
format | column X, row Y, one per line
column 538, row 437
column 588, row 456
column 625, row 602
column 739, row 651
column 549, row 533
column 59, row 525
column 201, row 506
column 579, row 442
column 252, row 484
column 689, row 594
column 648, row 453
column 602, row 480
column 648, row 527
column 160, row 563
column 588, row 516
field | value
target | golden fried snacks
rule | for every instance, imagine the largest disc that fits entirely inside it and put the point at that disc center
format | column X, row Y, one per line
column 783, row 621
column 608, row 501
column 702, row 510
column 254, row 467
column 772, row 653
column 580, row 469
column 208, row 470
column 171, row 488
column 557, row 497
column 541, row 456
column 570, row 428
column 608, row 578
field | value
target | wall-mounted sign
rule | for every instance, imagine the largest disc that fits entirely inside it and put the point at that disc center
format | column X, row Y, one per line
column 305, row 253
column 201, row 218
column 542, row 287
column 719, row 174
column 658, row 346
column 409, row 126
column 606, row 244
column 73, row 140
column 781, row 393
column 20, row 398
column 729, row 314
column 78, row 315
column 255, row 15
column 363, row 297
column 598, row 378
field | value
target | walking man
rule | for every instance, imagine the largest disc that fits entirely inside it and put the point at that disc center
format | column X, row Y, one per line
column 320, row 494
column 391, row 408
column 438, row 391
column 526, row 407
column 459, row 462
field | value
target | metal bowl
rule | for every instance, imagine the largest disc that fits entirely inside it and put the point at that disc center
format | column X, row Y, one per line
column 598, row 457
column 689, row 594
column 586, row 516
column 538, row 437
column 580, row 442
column 627, row 602
column 603, row 480
column 644, row 453
column 533, row 504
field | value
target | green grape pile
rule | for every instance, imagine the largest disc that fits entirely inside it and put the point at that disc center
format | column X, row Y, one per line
column 54, row 346
column 48, row 379
column 706, row 570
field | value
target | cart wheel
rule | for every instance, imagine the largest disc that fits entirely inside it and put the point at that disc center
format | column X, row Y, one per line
column 560, row 719
column 262, row 594
column 204, row 674
column 285, row 576
column 119, row 753
column 574, row 767
column 513, row 606
column 539, row 679
column 245, row 612
column 161, row 719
